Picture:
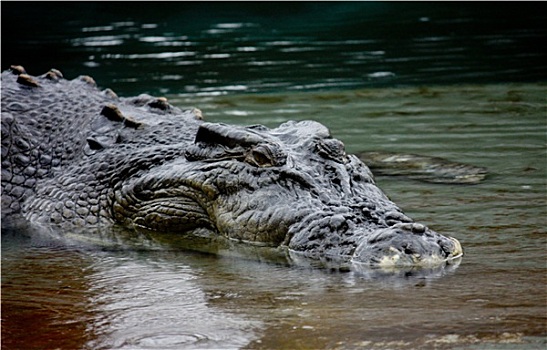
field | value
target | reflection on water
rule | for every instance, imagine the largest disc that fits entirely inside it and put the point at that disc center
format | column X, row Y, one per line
column 153, row 301
column 44, row 298
column 411, row 78
column 109, row 301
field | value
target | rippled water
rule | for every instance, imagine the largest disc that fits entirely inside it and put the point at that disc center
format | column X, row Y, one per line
column 191, row 48
column 456, row 81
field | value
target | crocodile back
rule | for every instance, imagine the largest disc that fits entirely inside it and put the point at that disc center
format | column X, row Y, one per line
column 43, row 123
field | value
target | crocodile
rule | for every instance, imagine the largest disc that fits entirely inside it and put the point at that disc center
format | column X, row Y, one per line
column 75, row 156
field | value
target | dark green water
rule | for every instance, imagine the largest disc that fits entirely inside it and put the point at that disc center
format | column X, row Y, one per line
column 461, row 81
column 217, row 48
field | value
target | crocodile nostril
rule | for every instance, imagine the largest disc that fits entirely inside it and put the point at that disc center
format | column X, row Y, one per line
column 407, row 249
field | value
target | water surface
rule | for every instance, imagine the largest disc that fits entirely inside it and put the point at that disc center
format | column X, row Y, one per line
column 223, row 48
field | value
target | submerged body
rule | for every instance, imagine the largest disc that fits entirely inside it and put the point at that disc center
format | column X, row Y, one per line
column 423, row 168
column 75, row 156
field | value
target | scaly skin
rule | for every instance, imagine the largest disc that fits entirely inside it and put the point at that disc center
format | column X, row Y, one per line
column 75, row 156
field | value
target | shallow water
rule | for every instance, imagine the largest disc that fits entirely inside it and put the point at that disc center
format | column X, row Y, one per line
column 431, row 92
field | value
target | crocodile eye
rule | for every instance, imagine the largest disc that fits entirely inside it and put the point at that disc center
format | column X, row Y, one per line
column 258, row 158
column 265, row 156
column 332, row 149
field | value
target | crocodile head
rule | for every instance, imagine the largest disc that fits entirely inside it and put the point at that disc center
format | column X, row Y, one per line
column 292, row 186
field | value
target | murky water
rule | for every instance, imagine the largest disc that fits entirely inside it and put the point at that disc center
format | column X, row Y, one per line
column 376, row 90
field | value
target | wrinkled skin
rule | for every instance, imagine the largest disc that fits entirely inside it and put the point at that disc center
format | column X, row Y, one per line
column 73, row 155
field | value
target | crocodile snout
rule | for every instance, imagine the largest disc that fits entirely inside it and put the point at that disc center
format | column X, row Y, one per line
column 407, row 244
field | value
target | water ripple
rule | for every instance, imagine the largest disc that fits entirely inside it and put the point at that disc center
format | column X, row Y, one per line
column 139, row 305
